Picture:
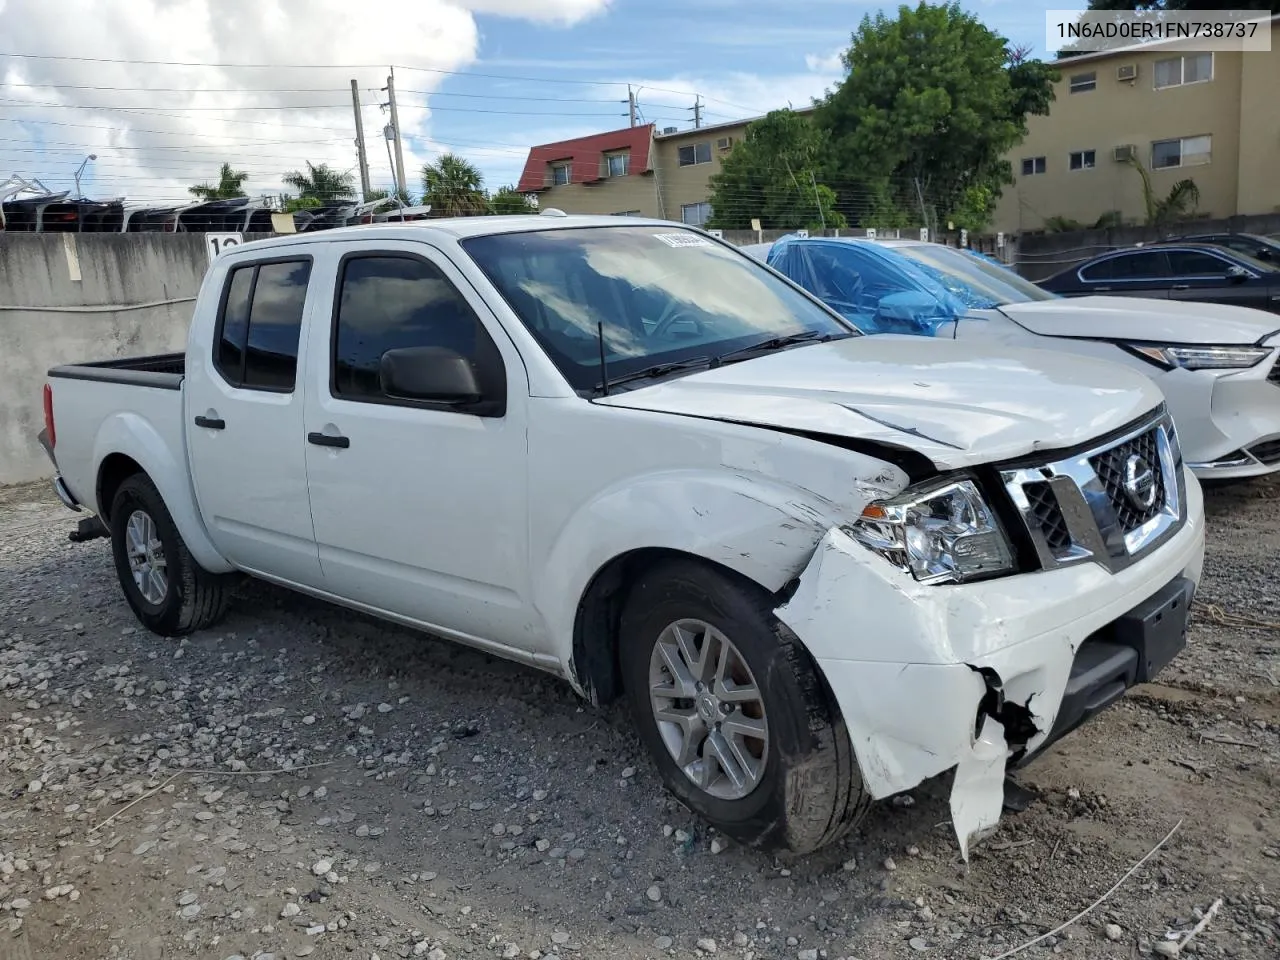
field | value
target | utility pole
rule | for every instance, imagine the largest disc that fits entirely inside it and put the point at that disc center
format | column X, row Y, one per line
column 401, row 184
column 364, row 159
column 697, row 111
column 631, row 105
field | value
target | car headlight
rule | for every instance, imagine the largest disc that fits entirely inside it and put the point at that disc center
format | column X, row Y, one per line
column 939, row 534
column 1200, row 358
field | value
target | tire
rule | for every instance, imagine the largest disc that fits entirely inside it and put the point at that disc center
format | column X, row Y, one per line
column 807, row 790
column 190, row 598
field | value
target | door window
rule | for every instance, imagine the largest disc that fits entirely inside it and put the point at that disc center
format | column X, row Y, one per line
column 1140, row 266
column 1196, row 263
column 388, row 302
column 256, row 345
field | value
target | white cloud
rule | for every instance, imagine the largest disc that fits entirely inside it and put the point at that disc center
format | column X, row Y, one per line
column 829, row 63
column 159, row 129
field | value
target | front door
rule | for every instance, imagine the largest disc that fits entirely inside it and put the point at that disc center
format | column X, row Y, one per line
column 244, row 410
column 420, row 507
column 1199, row 275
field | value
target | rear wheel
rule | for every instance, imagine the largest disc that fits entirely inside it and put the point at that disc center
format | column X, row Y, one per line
column 169, row 592
column 734, row 712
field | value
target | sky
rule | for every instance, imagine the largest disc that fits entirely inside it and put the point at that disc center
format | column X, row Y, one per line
column 164, row 91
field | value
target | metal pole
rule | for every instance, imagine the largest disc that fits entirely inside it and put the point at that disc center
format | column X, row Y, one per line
column 364, row 159
column 395, row 125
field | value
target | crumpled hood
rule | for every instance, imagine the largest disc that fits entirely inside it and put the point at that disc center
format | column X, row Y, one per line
column 955, row 403
column 1141, row 318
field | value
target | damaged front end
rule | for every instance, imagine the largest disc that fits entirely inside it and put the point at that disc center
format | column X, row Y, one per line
column 978, row 677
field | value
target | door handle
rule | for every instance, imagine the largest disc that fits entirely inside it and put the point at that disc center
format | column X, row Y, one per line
column 325, row 440
column 211, row 423
column 1181, row 286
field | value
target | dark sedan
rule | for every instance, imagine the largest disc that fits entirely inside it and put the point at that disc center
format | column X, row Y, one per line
column 1250, row 244
column 1188, row 271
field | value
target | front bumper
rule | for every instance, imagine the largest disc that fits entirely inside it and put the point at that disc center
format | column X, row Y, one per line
column 1228, row 422
column 930, row 678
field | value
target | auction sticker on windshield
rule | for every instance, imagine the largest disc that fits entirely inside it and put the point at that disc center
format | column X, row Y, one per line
column 682, row 239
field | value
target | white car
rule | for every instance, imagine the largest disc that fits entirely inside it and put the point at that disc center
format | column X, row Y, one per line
column 820, row 566
column 1218, row 365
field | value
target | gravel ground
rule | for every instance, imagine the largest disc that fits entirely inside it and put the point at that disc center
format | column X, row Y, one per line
column 307, row 782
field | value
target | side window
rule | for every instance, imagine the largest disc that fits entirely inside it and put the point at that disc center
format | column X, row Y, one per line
column 390, row 302
column 1140, row 266
column 261, row 321
column 1103, row 270
column 1196, row 263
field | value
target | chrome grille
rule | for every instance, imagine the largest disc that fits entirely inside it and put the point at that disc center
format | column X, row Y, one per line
column 1111, row 467
column 1047, row 516
column 1110, row 503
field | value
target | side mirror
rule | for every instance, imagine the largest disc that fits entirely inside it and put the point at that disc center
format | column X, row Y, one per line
column 1236, row 273
column 435, row 374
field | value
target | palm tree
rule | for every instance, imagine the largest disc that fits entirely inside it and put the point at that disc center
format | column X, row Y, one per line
column 229, row 185
column 454, row 187
column 320, row 182
column 1179, row 204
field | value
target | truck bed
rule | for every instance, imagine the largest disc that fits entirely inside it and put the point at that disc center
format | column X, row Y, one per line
column 164, row 370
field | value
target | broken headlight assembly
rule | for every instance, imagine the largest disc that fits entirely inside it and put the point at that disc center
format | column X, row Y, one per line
column 938, row 534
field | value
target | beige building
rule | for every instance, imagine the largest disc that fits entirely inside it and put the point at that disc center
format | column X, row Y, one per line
column 1211, row 117
column 637, row 171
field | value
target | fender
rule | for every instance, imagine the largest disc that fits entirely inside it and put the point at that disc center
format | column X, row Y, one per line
column 135, row 437
column 752, row 524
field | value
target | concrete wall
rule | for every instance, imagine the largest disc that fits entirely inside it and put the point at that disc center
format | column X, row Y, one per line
column 70, row 298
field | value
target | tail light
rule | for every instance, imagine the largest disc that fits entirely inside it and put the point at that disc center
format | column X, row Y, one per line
column 48, row 415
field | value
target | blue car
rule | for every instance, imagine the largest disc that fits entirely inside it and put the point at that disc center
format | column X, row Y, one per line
column 900, row 286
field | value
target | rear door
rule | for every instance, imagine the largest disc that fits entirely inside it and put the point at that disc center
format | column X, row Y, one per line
column 1138, row 273
column 244, row 409
column 1203, row 275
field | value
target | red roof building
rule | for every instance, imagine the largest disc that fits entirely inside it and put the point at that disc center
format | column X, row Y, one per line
column 588, row 159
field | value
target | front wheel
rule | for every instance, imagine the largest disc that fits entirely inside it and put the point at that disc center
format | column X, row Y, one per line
column 734, row 712
column 169, row 592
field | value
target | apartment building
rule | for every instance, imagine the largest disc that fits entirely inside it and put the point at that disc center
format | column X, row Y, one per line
column 1212, row 117
column 637, row 171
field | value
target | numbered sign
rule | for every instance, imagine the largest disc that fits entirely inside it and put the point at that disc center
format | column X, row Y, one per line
column 924, row 234
column 999, row 239
column 217, row 243
column 871, row 233
column 718, row 234
column 802, row 234
column 964, row 237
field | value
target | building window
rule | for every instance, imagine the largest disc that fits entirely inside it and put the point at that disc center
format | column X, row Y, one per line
column 695, row 153
column 1179, row 71
column 619, row 164
column 1083, row 160
column 1032, row 165
column 560, row 174
column 695, row 214
column 1184, row 152
column 1082, row 82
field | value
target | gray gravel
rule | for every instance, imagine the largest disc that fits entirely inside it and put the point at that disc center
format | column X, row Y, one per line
column 303, row 781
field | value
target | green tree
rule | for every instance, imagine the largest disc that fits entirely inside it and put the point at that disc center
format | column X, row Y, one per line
column 320, row 182
column 230, row 184
column 931, row 101
column 772, row 175
column 454, row 187
column 509, row 200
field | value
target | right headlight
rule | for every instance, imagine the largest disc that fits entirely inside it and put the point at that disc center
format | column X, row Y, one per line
column 1200, row 358
column 940, row 534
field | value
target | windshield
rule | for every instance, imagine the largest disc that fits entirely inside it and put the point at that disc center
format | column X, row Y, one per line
column 979, row 283
column 663, row 295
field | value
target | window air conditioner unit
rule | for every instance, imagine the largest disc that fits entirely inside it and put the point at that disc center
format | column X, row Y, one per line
column 1127, row 71
column 669, row 129
column 724, row 143
column 1124, row 153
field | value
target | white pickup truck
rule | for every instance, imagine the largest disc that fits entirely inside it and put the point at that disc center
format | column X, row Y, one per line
column 820, row 567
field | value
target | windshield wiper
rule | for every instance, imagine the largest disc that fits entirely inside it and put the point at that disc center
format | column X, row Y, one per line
column 655, row 371
column 777, row 343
